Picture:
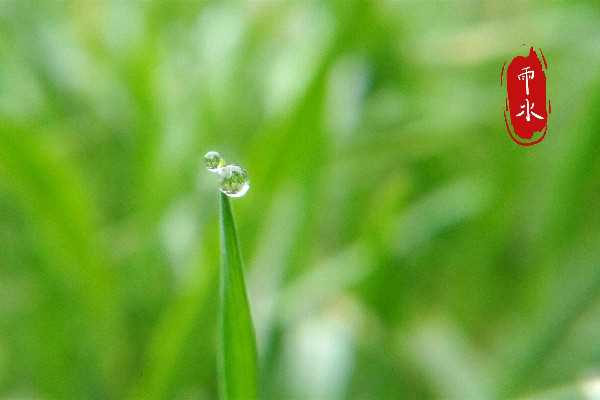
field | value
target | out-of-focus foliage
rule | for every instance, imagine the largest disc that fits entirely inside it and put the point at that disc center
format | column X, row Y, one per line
column 397, row 243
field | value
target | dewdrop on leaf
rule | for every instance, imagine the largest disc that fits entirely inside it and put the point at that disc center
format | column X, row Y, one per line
column 213, row 161
column 233, row 180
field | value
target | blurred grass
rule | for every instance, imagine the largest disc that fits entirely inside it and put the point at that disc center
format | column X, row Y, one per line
column 398, row 244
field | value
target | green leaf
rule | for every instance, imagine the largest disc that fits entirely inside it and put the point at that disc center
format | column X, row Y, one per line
column 237, row 347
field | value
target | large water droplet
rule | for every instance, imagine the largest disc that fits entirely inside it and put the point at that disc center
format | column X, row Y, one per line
column 213, row 161
column 233, row 181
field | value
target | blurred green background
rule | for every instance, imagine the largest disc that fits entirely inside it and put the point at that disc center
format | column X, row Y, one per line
column 397, row 244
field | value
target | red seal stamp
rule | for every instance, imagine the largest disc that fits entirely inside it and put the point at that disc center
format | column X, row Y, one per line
column 527, row 108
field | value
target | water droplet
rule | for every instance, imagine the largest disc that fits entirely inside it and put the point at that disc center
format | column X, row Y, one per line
column 233, row 181
column 213, row 161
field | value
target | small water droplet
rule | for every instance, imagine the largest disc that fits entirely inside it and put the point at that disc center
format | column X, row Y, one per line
column 233, row 180
column 213, row 161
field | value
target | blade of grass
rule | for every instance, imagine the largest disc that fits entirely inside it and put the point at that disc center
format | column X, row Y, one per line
column 237, row 346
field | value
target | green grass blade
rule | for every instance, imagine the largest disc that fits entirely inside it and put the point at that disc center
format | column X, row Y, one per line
column 237, row 347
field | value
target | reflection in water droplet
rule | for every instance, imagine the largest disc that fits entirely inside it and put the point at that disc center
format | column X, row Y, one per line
column 233, row 181
column 213, row 161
